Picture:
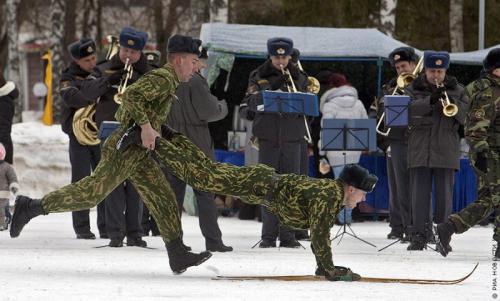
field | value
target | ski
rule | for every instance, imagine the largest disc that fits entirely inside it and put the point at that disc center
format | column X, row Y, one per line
column 363, row 279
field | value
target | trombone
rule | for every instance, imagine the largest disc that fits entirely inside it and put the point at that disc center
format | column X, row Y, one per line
column 403, row 80
column 449, row 109
column 123, row 83
column 290, row 85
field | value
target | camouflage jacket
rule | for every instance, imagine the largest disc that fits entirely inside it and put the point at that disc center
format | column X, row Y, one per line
column 306, row 203
column 149, row 98
column 482, row 125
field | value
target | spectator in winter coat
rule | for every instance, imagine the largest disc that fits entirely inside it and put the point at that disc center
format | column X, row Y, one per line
column 8, row 184
column 8, row 93
column 341, row 102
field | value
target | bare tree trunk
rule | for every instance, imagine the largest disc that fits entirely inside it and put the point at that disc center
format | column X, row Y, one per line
column 69, row 27
column 57, row 18
column 14, row 72
column 456, row 25
column 91, row 11
column 388, row 16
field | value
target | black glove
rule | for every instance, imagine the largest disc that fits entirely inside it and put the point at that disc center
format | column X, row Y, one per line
column 116, row 77
column 437, row 95
column 278, row 82
column 481, row 162
column 342, row 274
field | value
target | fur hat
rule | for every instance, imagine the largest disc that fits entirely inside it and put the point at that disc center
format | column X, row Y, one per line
column 133, row 38
column 184, row 44
column 82, row 48
column 359, row 177
column 492, row 60
column 436, row 59
column 403, row 54
column 2, row 152
column 279, row 46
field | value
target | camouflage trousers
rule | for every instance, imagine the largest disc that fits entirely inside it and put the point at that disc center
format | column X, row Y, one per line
column 253, row 184
column 114, row 168
column 487, row 201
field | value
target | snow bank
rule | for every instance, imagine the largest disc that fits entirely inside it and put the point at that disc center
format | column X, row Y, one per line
column 41, row 157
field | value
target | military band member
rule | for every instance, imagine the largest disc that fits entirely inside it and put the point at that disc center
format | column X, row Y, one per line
column 190, row 115
column 482, row 132
column 145, row 103
column 77, row 92
column 433, row 144
column 404, row 61
column 123, row 205
column 280, row 136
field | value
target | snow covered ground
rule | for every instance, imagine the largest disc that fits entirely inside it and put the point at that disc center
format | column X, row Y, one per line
column 47, row 263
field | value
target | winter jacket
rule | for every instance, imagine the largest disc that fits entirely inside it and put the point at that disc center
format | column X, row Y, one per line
column 273, row 126
column 77, row 92
column 193, row 110
column 341, row 103
column 106, row 106
column 433, row 138
column 8, row 94
column 8, row 180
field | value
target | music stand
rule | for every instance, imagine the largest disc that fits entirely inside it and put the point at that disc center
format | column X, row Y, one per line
column 298, row 103
column 396, row 110
column 344, row 135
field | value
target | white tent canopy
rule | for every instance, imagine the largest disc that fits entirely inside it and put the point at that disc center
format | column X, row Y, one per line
column 471, row 57
column 311, row 41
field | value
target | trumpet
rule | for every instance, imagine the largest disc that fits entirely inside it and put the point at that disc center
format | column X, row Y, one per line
column 449, row 109
column 123, row 83
column 291, row 88
column 403, row 80
column 113, row 46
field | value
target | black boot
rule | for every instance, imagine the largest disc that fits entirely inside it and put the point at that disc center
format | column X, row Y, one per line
column 444, row 232
column 220, row 247
column 25, row 209
column 136, row 242
column 418, row 242
column 180, row 259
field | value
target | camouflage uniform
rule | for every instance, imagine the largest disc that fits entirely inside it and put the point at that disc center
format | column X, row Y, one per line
column 147, row 100
column 298, row 201
column 482, row 131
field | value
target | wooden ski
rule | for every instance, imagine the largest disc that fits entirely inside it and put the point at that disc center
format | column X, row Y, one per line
column 363, row 279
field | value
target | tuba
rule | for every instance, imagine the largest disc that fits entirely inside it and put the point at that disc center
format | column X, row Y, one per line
column 113, row 46
column 403, row 80
column 85, row 127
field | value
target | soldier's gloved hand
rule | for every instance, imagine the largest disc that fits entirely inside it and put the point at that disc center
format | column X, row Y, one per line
column 116, row 77
column 481, row 162
column 342, row 274
column 278, row 82
column 437, row 95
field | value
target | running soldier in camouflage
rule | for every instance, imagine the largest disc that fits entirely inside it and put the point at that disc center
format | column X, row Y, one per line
column 482, row 131
column 146, row 103
column 299, row 202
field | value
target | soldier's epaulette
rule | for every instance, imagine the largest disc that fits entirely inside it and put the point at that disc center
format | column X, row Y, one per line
column 79, row 77
column 109, row 71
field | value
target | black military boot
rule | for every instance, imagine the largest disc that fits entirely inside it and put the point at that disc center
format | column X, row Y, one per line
column 136, row 242
column 292, row 243
column 266, row 243
column 25, row 209
column 180, row 259
column 444, row 232
column 220, row 247
column 418, row 242
column 116, row 243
